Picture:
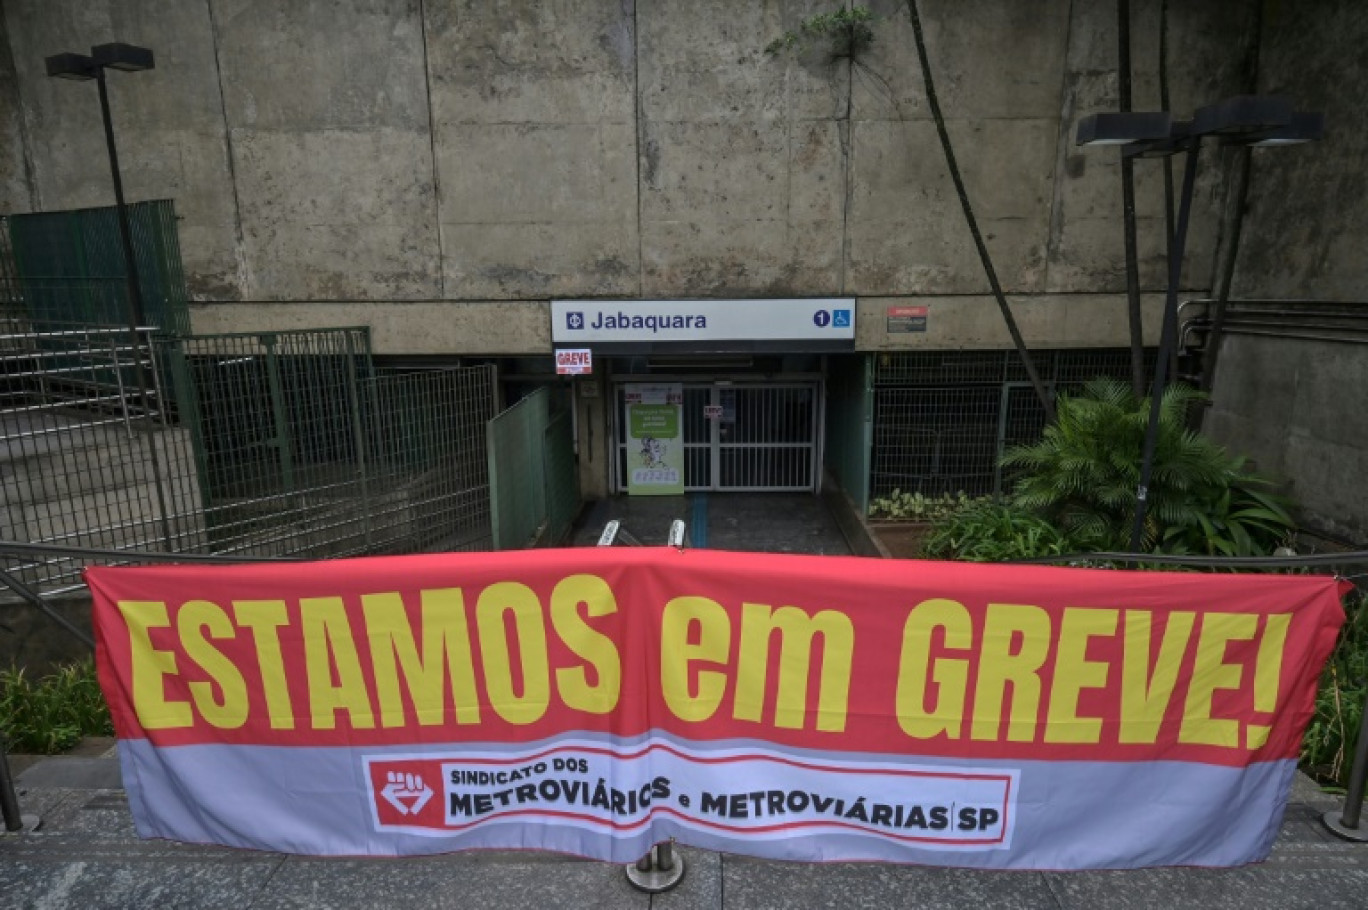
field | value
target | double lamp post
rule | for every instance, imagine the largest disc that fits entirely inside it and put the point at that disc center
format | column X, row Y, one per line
column 1245, row 120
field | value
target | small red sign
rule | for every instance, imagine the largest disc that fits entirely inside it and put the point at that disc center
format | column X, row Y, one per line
column 903, row 319
column 574, row 362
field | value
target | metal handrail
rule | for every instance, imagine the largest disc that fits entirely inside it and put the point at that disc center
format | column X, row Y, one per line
column 14, row 819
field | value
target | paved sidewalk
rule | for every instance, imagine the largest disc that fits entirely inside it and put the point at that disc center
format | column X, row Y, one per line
column 87, row 855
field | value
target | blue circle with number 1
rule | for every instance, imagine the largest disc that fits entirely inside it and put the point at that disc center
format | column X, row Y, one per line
column 822, row 318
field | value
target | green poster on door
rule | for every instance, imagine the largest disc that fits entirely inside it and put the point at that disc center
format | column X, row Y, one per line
column 655, row 439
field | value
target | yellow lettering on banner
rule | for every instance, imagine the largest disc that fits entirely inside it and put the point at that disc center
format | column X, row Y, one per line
column 521, row 601
column 1268, row 668
column 264, row 618
column 1146, row 693
column 1267, row 675
column 328, row 647
column 192, row 620
column 1073, row 673
column 1211, row 673
column 676, row 653
column 154, row 711
column 796, row 633
column 446, row 648
column 951, row 675
column 1000, row 665
column 587, row 642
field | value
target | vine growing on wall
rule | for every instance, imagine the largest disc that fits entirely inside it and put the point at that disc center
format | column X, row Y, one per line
column 848, row 32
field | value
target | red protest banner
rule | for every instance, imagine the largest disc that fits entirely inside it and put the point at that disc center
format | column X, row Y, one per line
column 902, row 675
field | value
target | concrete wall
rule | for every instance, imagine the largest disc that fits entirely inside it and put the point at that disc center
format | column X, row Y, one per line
column 1303, row 234
column 1293, row 404
column 453, row 154
column 16, row 183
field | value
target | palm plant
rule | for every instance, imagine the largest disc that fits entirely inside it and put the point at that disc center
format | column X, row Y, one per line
column 1083, row 474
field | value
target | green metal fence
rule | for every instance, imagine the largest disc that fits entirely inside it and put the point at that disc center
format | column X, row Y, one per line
column 533, row 478
column 69, row 266
column 943, row 419
column 849, row 425
column 283, row 444
column 85, row 459
column 303, row 449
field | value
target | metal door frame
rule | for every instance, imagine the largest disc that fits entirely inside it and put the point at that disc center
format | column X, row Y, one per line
column 715, row 385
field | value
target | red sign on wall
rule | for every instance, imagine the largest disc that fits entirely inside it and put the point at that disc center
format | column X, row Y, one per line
column 574, row 361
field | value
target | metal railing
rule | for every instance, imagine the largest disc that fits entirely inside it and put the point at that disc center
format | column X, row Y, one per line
column 91, row 453
column 14, row 819
column 278, row 444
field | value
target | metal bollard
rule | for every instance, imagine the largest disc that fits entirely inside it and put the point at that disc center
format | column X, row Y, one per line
column 1346, row 825
column 610, row 532
column 676, row 538
column 15, row 821
column 659, row 870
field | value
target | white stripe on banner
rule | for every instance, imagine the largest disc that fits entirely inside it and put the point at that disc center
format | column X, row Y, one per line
column 612, row 800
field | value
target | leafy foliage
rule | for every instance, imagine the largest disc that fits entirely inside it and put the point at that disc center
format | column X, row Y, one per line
column 900, row 506
column 1246, row 519
column 989, row 531
column 52, row 714
column 1327, row 747
column 849, row 31
column 1084, row 471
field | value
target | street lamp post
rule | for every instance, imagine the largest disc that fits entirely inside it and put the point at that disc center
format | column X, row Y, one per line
column 78, row 67
column 1252, row 120
column 127, row 58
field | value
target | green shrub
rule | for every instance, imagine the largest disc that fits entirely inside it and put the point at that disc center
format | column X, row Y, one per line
column 989, row 531
column 1245, row 519
column 900, row 506
column 1328, row 747
column 51, row 714
column 1084, row 471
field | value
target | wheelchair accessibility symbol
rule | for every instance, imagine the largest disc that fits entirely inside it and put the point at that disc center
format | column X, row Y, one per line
column 837, row 319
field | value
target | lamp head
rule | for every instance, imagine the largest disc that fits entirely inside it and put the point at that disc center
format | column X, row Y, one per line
column 1123, row 128
column 119, row 56
column 1179, row 139
column 1305, row 126
column 77, row 67
column 1242, row 114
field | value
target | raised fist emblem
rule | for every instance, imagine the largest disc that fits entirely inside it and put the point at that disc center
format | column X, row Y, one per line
column 406, row 792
